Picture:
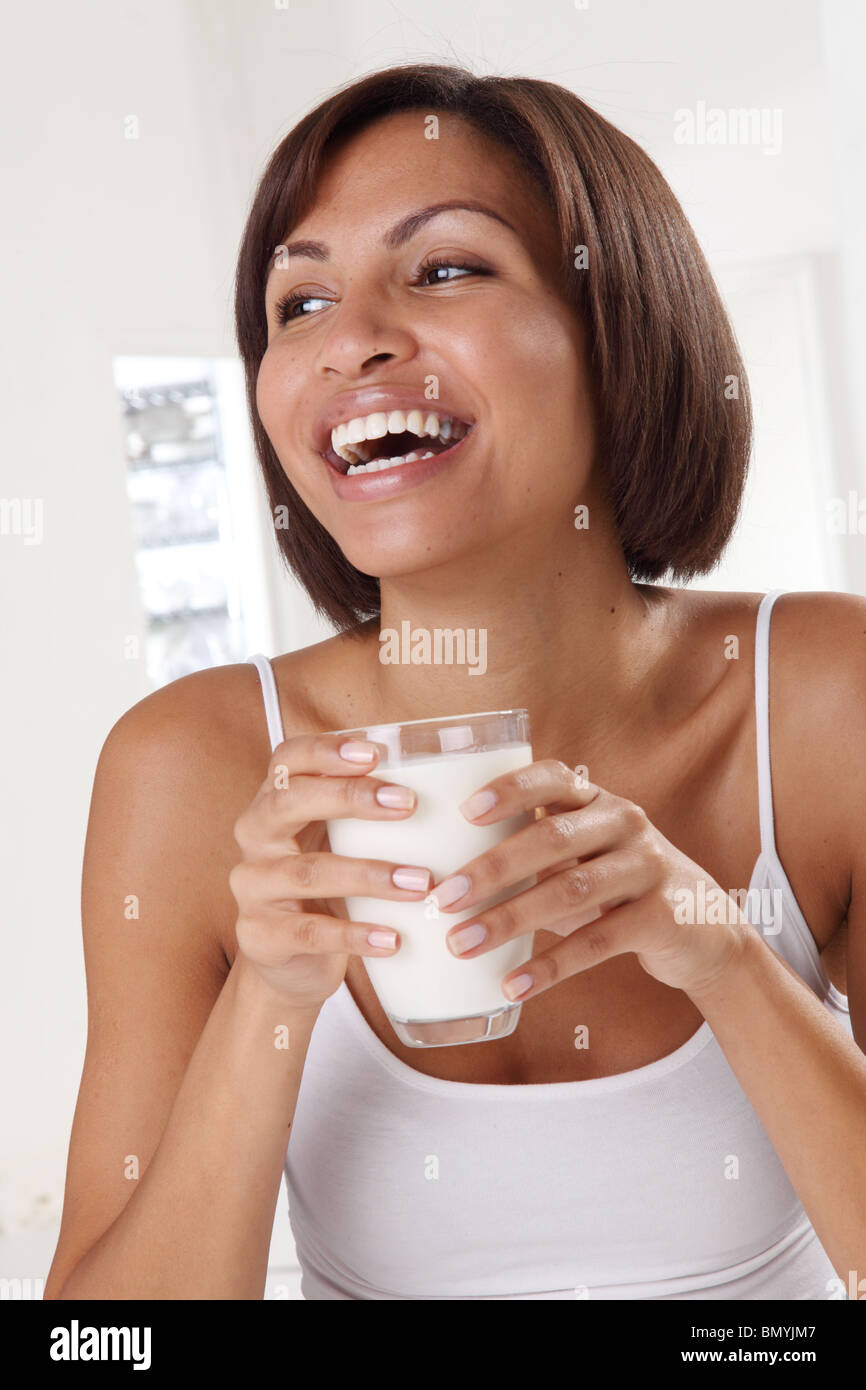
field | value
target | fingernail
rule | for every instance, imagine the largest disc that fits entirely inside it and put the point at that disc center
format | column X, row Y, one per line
column 396, row 798
column 356, row 751
column 416, row 880
column 382, row 938
column 450, row 889
column 467, row 938
column 519, row 985
column 478, row 804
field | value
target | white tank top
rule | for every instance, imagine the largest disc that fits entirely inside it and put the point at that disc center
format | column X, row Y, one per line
column 656, row 1183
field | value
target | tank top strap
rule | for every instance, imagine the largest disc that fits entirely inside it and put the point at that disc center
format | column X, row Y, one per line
column 762, row 720
column 272, row 702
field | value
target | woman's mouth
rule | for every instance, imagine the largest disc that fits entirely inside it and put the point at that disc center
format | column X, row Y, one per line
column 387, row 452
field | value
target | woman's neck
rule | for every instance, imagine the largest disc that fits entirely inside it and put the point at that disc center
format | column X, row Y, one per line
column 555, row 627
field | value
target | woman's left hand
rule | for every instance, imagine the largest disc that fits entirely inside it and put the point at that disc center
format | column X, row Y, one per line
column 608, row 882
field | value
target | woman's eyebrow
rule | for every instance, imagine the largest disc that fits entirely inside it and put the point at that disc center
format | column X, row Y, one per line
column 397, row 235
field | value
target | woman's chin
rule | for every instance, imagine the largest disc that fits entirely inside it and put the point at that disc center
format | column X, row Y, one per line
column 389, row 567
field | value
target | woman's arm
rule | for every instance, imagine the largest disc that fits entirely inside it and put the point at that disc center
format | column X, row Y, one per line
column 804, row 1076
column 806, row 1081
column 198, row 1223
column 186, row 1098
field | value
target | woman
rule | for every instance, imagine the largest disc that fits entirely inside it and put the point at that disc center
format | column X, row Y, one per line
column 495, row 252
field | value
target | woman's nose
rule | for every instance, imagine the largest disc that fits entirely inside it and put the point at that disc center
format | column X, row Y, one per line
column 359, row 337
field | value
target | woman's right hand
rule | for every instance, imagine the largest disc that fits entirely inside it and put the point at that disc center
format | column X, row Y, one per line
column 287, row 928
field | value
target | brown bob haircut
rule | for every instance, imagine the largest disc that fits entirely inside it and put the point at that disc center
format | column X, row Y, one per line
column 674, row 437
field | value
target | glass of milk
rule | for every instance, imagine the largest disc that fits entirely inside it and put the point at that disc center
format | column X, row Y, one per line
column 431, row 997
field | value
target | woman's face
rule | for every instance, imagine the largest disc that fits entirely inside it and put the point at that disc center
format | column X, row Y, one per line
column 374, row 329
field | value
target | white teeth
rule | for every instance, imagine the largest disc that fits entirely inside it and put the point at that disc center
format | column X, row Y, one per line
column 376, row 426
column 361, row 428
column 375, row 466
column 415, row 422
column 378, row 465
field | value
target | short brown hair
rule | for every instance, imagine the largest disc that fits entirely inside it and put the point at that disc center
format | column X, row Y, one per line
column 674, row 438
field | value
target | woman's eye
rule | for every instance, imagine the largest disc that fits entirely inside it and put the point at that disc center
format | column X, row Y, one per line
column 437, row 264
column 284, row 308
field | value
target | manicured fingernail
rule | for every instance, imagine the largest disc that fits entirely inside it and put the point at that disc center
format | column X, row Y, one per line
column 450, row 889
column 519, row 985
column 478, row 804
column 382, row 938
column 356, row 751
column 467, row 938
column 396, row 798
column 416, row 880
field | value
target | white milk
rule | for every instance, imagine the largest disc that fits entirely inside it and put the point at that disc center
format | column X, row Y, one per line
column 423, row 980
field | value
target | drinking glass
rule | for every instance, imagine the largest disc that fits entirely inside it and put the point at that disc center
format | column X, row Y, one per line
column 432, row 998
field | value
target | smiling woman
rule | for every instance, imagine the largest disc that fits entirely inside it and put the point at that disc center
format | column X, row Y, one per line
column 466, row 308
column 580, row 236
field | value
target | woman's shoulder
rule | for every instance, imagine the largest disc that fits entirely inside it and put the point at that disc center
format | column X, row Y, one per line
column 827, row 627
column 817, row 685
column 220, row 710
column 186, row 759
column 195, row 714
column 818, row 700
column 181, row 765
column 817, row 648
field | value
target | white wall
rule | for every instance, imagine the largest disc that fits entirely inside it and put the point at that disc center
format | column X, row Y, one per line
column 117, row 246
column 782, row 540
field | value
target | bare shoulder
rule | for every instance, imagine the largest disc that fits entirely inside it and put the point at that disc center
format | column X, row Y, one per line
column 175, row 772
column 823, row 636
column 818, row 682
column 817, row 664
column 817, row 654
column 181, row 765
column 200, row 740
column 206, row 704
column 818, row 674
column 804, row 616
column 211, row 724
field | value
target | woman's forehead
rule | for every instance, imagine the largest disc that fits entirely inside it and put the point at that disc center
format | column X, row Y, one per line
column 390, row 168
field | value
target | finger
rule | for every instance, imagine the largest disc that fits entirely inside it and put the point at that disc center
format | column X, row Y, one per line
column 273, row 937
column 278, row 814
column 333, row 754
column 323, row 875
column 610, row 935
column 545, row 843
column 615, row 877
column 566, row 925
column 538, row 784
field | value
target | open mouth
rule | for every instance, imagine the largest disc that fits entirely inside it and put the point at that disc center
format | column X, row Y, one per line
column 380, row 441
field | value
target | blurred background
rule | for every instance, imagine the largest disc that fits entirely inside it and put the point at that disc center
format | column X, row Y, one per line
column 135, row 538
